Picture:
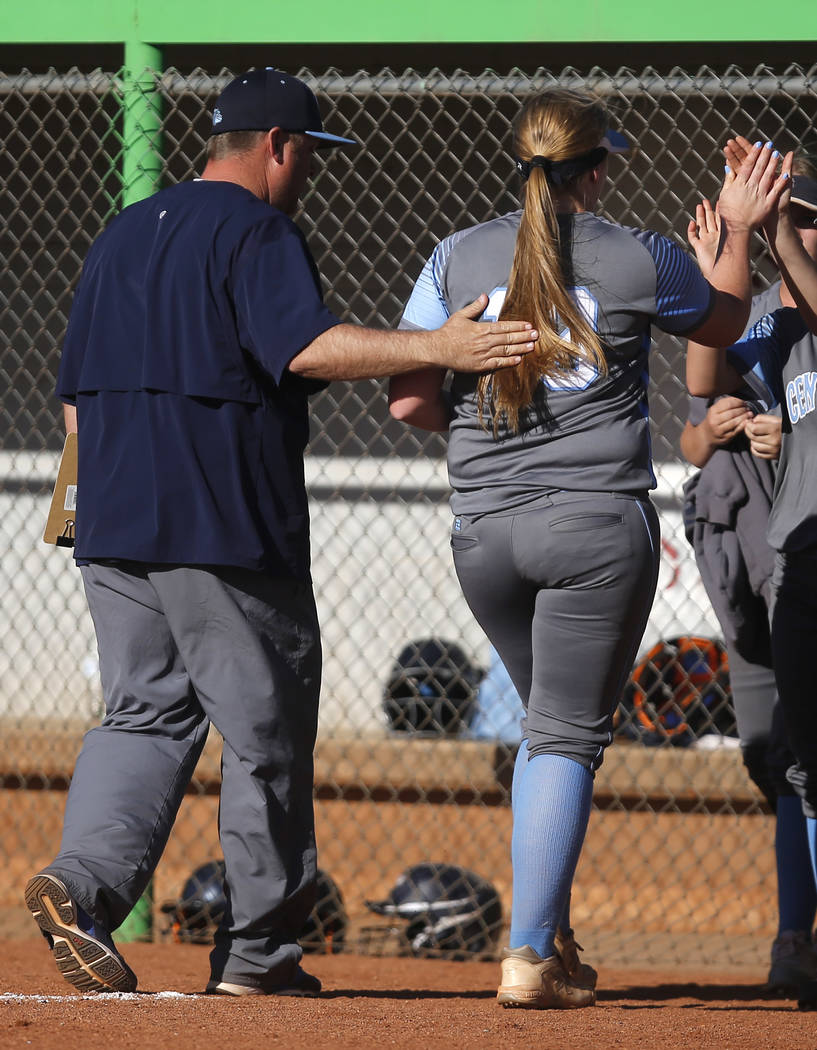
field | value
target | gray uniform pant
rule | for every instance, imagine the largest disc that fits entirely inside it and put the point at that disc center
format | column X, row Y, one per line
column 180, row 647
column 563, row 589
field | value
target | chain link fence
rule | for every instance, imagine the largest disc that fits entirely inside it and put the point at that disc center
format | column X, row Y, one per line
column 418, row 728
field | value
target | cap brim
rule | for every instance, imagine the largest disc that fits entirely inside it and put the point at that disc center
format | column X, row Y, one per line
column 615, row 142
column 328, row 140
column 804, row 192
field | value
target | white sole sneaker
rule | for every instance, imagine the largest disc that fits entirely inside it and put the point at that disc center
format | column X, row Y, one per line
column 534, row 983
column 87, row 961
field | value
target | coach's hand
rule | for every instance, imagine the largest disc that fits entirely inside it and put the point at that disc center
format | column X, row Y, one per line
column 467, row 345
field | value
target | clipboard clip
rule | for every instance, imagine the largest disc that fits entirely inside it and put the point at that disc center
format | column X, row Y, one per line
column 66, row 538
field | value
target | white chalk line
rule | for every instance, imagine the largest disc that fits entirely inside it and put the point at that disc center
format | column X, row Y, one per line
column 99, row 997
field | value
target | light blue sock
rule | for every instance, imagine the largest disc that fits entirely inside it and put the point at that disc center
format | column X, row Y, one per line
column 796, row 894
column 551, row 807
column 811, row 835
column 564, row 921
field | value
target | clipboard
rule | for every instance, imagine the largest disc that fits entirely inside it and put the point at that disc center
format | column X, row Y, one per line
column 62, row 515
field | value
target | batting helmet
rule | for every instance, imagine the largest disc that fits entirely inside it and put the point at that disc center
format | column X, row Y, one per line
column 197, row 913
column 432, row 689
column 449, row 911
column 678, row 693
column 325, row 929
column 201, row 906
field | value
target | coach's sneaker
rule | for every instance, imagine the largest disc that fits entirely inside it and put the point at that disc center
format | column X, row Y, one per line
column 302, row 984
column 539, row 984
column 567, row 947
column 794, row 962
column 85, row 954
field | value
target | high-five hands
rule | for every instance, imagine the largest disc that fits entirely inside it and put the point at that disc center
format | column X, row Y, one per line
column 752, row 187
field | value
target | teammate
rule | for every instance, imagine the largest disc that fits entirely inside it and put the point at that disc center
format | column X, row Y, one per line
column 555, row 540
column 777, row 359
column 736, row 444
column 196, row 334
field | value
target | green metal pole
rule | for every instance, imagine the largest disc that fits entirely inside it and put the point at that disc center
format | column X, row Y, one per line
column 142, row 122
column 141, row 176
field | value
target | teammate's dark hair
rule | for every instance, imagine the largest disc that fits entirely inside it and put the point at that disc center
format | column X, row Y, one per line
column 231, row 143
column 805, row 162
column 558, row 124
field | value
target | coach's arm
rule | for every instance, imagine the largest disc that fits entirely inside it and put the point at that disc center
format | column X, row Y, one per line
column 347, row 351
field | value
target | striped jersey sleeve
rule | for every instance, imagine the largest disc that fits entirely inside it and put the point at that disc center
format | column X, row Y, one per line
column 683, row 297
column 427, row 307
column 759, row 355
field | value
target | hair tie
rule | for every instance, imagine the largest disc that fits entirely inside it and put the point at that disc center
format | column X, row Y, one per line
column 558, row 172
column 524, row 166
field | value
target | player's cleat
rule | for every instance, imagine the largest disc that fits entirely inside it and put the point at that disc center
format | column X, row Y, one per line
column 794, row 963
column 807, row 996
column 84, row 952
column 539, row 984
column 567, row 948
column 303, row 984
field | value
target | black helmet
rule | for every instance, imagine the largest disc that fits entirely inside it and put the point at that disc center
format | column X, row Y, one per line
column 431, row 689
column 450, row 911
column 201, row 906
column 325, row 929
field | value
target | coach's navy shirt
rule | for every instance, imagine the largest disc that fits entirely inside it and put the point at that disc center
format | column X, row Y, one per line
column 189, row 309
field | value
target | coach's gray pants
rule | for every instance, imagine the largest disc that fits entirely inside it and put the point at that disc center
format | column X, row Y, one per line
column 180, row 647
column 563, row 589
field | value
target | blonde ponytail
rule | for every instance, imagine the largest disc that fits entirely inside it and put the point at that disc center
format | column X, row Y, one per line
column 558, row 125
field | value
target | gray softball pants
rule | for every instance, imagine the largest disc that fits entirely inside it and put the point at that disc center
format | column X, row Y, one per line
column 563, row 590
column 180, row 647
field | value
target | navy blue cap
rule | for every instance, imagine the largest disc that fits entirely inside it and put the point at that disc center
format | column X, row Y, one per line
column 268, row 98
column 804, row 192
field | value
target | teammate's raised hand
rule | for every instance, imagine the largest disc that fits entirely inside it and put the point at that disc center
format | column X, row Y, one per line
column 704, row 236
column 752, row 189
column 736, row 151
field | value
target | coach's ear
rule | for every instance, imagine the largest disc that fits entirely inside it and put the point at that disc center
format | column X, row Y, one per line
column 274, row 144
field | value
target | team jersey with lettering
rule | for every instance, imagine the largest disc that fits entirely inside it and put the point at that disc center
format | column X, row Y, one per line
column 584, row 431
column 779, row 360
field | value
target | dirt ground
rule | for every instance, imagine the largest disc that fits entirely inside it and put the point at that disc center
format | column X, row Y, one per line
column 371, row 1002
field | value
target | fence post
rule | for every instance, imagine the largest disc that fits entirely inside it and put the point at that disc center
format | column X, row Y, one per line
column 142, row 122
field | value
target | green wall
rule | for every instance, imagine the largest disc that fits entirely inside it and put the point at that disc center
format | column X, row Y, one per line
column 388, row 21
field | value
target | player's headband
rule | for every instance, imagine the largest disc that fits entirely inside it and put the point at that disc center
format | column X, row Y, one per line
column 558, row 172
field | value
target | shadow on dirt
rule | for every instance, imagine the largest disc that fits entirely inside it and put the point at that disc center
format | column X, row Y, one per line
column 706, row 993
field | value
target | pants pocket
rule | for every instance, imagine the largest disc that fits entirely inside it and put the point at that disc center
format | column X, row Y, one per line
column 585, row 522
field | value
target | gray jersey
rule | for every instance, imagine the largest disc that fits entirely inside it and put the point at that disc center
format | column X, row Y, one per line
column 726, row 514
column 719, row 473
column 779, row 361
column 584, row 432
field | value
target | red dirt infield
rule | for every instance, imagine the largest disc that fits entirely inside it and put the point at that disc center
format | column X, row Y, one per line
column 371, row 1002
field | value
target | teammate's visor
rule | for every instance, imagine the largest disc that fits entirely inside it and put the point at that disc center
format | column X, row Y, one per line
column 615, row 142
